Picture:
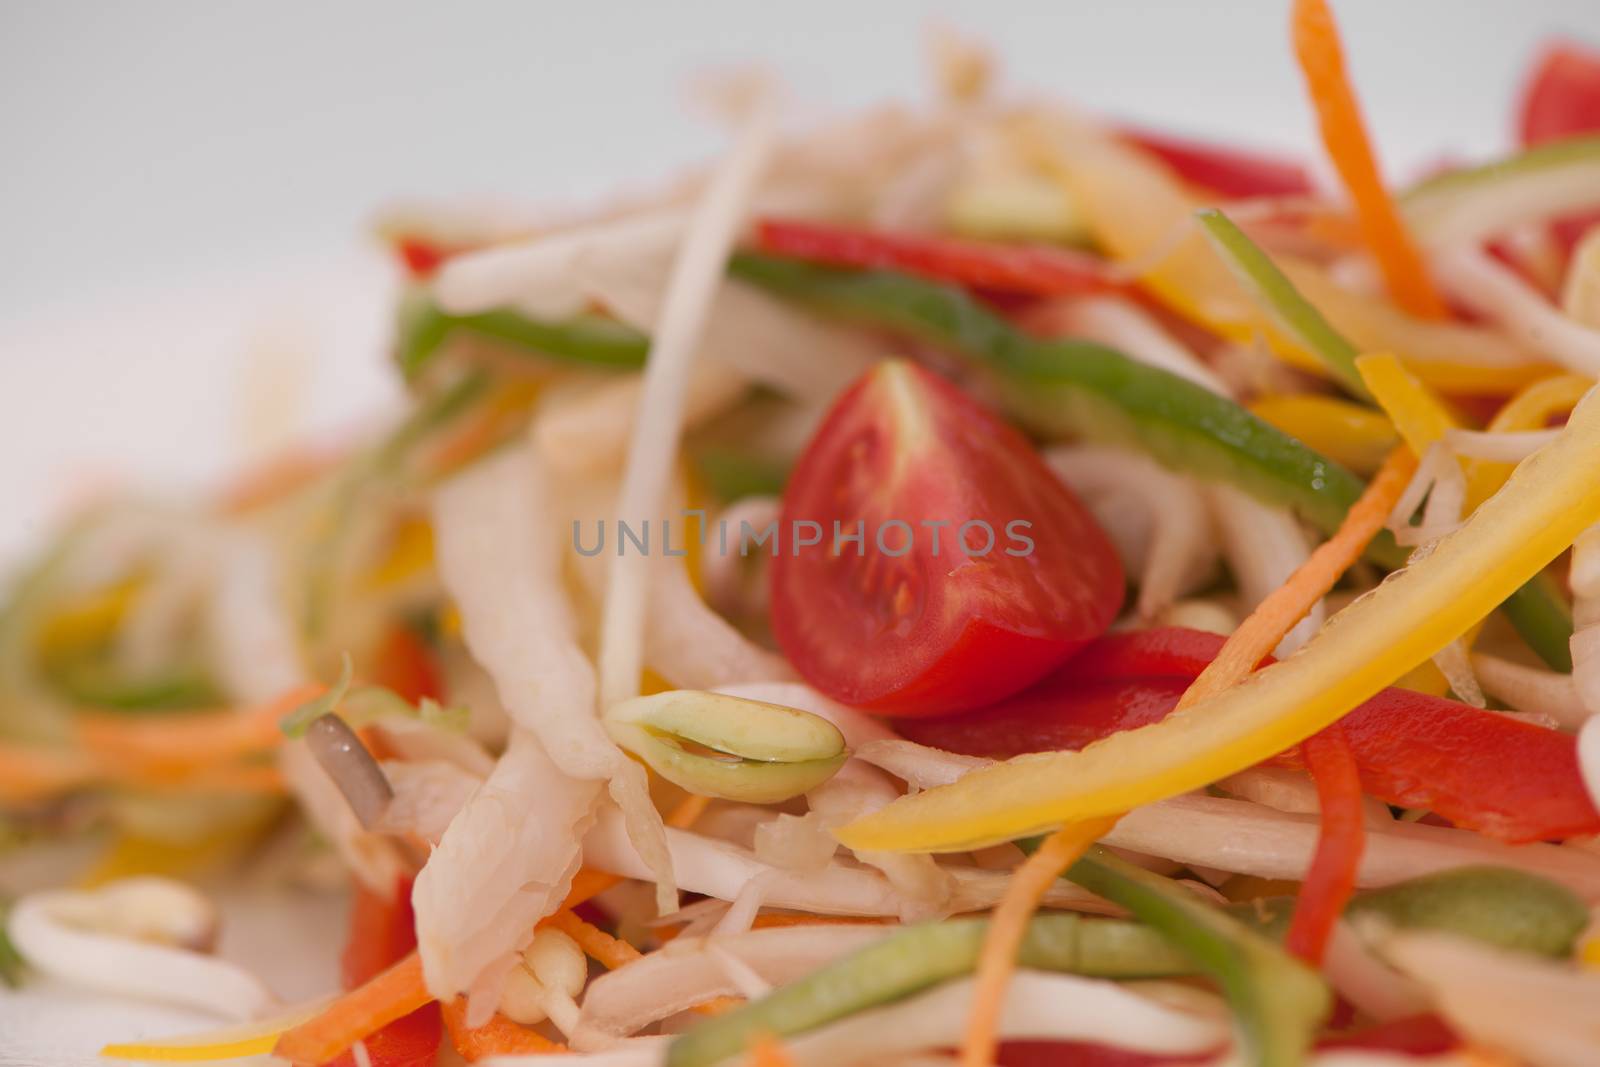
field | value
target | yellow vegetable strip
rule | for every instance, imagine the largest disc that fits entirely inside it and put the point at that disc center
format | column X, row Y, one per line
column 1349, row 433
column 997, row 959
column 1547, row 502
column 1286, row 605
column 1530, row 409
column 1142, row 216
column 231, row 1042
column 1416, row 412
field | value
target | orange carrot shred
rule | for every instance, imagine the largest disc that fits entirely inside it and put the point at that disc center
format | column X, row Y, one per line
column 612, row 952
column 499, row 1036
column 1344, row 134
column 363, row 1011
column 587, row 884
column 768, row 1051
column 688, row 811
column 1009, row 924
column 191, row 739
column 1286, row 605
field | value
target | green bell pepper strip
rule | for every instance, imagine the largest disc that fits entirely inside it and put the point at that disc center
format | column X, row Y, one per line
column 592, row 340
column 1061, row 387
column 918, row 958
column 95, row 684
column 1546, row 182
column 1296, row 315
column 1542, row 617
column 11, row 961
column 1279, row 1003
column 1080, row 387
column 1496, row 905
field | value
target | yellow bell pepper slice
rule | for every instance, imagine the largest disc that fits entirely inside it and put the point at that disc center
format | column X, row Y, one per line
column 226, row 1043
column 1548, row 501
column 1352, row 434
column 88, row 620
column 1419, row 415
column 1140, row 213
column 1530, row 409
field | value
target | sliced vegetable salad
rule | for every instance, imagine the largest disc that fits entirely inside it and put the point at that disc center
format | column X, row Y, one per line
column 974, row 583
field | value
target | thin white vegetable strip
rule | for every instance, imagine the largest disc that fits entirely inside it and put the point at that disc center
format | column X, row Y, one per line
column 1492, row 290
column 1038, row 1006
column 1504, row 447
column 1263, row 546
column 499, row 558
column 127, row 967
column 503, row 864
column 682, row 975
column 1235, row 835
column 1531, row 689
column 1539, row 1010
column 654, row 446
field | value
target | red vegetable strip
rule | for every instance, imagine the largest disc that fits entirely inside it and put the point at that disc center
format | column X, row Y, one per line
column 410, row 1041
column 1506, row 779
column 358, row 1014
column 1230, row 171
column 1030, row 270
column 1344, row 134
column 1414, row 1035
column 382, row 931
column 499, row 1036
column 1332, row 877
column 1562, row 98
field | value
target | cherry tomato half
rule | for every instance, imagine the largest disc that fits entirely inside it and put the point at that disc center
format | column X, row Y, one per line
column 929, row 561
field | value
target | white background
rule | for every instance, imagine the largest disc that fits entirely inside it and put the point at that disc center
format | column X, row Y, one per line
column 186, row 183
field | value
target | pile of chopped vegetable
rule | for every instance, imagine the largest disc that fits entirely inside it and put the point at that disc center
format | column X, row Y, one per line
column 975, row 581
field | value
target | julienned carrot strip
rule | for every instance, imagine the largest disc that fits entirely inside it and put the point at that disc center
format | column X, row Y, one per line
column 1007, row 926
column 1332, row 876
column 766, row 922
column 276, row 478
column 499, row 1036
column 191, row 738
column 33, row 772
column 1286, row 605
column 587, row 884
column 1344, row 134
column 688, row 811
column 768, row 1051
column 612, row 952
column 364, row 1010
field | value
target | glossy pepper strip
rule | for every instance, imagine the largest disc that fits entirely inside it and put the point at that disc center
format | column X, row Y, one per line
column 1058, row 387
column 1279, row 1003
column 1552, row 497
column 1536, row 609
column 592, row 340
column 1348, row 433
column 1340, row 842
column 1027, row 270
column 1293, row 313
column 916, row 959
column 1411, row 749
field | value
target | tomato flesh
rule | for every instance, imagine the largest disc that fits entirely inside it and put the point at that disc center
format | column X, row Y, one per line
column 977, row 571
column 1563, row 96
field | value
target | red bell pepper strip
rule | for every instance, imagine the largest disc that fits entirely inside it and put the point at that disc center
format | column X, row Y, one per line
column 1015, row 269
column 1505, row 779
column 420, row 258
column 382, row 932
column 1332, row 876
column 1087, row 1054
column 407, row 667
column 1229, row 171
column 1414, row 1035
column 1562, row 98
